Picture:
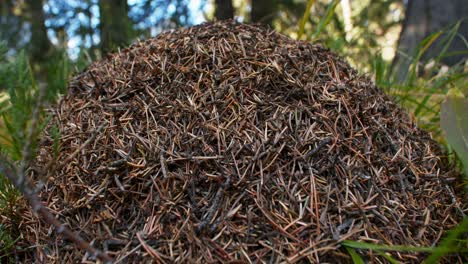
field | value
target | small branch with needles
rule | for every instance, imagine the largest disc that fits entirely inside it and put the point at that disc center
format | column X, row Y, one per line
column 16, row 173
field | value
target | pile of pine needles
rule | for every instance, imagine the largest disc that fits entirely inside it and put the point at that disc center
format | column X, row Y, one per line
column 229, row 142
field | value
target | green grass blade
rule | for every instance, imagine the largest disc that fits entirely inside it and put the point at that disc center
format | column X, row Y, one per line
column 448, row 40
column 449, row 242
column 6, row 241
column 422, row 47
column 364, row 245
column 387, row 257
column 304, row 19
column 456, row 53
column 422, row 104
column 326, row 19
column 355, row 256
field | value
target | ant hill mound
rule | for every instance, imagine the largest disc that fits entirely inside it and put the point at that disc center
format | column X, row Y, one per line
column 229, row 142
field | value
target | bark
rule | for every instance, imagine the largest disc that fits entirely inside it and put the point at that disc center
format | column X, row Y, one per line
column 115, row 25
column 422, row 18
column 224, row 9
column 264, row 11
column 10, row 24
column 40, row 45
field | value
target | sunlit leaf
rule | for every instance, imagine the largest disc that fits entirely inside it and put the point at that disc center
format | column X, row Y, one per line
column 454, row 122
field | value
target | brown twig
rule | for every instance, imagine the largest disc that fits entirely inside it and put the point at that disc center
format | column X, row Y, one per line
column 16, row 175
column 18, row 179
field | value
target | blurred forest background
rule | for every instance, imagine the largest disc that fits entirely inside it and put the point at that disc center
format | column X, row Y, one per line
column 358, row 30
column 415, row 50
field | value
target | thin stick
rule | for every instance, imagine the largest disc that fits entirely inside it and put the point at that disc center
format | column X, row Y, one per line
column 17, row 177
column 16, row 174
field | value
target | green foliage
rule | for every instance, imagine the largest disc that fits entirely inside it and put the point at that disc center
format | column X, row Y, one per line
column 450, row 244
column 381, row 71
column 325, row 19
column 424, row 88
column 85, row 58
column 372, row 24
column 58, row 71
column 16, row 78
column 21, row 96
column 304, row 19
column 20, row 99
column 354, row 256
column 454, row 122
column 8, row 198
column 6, row 244
column 428, row 82
column 55, row 134
column 363, row 245
column 19, row 88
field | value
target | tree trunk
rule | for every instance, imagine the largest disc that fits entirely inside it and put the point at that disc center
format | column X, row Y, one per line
column 263, row 11
column 224, row 9
column 10, row 26
column 115, row 25
column 40, row 45
column 422, row 18
column 89, row 33
column 348, row 24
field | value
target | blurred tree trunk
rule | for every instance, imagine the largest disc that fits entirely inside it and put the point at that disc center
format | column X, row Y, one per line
column 89, row 33
column 40, row 45
column 10, row 25
column 348, row 24
column 224, row 9
column 115, row 25
column 263, row 11
column 423, row 17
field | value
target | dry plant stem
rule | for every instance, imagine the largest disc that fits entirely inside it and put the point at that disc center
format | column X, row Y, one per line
column 17, row 177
